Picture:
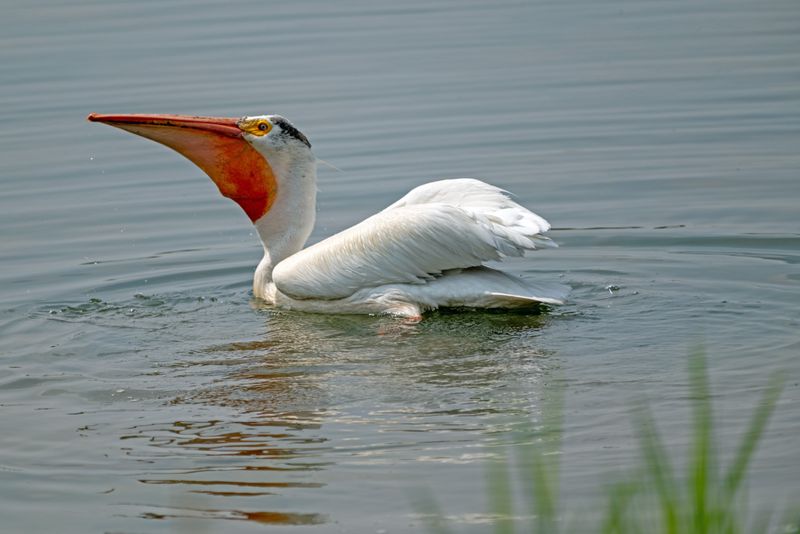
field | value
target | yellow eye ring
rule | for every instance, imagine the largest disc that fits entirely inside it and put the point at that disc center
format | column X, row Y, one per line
column 259, row 127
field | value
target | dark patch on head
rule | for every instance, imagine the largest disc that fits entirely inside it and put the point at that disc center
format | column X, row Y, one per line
column 291, row 131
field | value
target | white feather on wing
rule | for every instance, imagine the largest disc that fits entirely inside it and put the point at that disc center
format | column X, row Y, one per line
column 449, row 224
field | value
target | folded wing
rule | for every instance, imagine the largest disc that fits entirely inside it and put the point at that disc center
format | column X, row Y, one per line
column 449, row 224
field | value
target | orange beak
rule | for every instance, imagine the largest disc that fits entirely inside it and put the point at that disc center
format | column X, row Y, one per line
column 216, row 145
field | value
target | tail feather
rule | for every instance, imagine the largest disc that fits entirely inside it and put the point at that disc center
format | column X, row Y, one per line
column 507, row 300
column 482, row 287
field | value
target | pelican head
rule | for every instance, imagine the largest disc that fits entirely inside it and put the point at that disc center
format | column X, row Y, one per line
column 249, row 158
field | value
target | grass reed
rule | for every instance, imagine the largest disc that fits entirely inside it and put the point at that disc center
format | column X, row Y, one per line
column 655, row 498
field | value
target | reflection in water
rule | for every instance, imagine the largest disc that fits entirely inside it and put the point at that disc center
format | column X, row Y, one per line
column 275, row 432
column 274, row 518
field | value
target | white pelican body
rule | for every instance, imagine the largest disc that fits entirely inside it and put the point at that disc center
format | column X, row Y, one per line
column 423, row 252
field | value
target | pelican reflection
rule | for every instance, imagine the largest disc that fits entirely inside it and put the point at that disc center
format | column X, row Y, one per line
column 270, row 417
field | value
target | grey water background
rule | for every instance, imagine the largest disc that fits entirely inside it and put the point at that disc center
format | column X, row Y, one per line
column 141, row 388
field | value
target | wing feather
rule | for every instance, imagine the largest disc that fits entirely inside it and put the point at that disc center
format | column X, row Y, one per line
column 449, row 224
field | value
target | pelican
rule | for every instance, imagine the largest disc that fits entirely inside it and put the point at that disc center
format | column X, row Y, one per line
column 425, row 251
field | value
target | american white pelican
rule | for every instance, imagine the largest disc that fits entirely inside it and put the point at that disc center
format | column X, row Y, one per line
column 423, row 252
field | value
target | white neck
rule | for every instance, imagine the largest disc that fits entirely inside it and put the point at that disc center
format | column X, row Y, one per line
column 285, row 228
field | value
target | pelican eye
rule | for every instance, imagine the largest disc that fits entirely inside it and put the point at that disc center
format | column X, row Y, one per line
column 259, row 127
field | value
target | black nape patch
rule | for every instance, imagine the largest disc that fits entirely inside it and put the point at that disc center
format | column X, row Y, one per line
column 291, row 131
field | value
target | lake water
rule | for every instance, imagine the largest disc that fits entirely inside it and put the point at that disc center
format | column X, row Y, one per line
column 141, row 388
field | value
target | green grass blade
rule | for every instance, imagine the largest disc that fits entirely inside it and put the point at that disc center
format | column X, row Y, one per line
column 758, row 422
column 657, row 465
column 540, row 483
column 544, row 495
column 540, row 478
column 499, row 494
column 701, row 476
column 617, row 520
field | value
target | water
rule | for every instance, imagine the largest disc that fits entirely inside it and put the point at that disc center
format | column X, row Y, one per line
column 142, row 391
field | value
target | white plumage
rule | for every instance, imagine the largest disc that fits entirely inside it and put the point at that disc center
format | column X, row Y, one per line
column 437, row 227
column 423, row 252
